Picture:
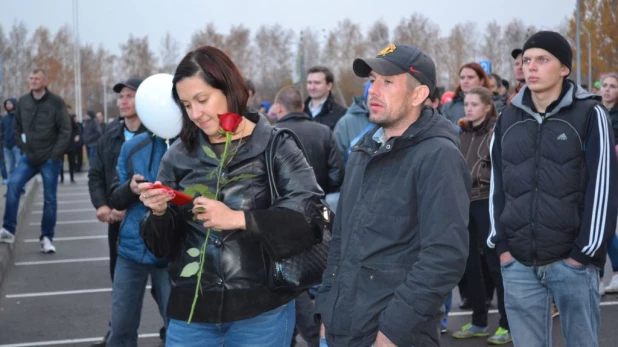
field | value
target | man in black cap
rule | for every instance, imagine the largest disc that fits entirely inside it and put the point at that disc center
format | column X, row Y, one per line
column 553, row 200
column 400, row 239
column 518, row 71
column 103, row 165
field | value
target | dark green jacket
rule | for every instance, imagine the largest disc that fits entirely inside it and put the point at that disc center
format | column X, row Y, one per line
column 46, row 126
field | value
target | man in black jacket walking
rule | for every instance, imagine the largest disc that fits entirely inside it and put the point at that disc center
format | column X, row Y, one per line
column 400, row 239
column 552, row 204
column 321, row 104
column 42, row 132
column 103, row 166
column 327, row 162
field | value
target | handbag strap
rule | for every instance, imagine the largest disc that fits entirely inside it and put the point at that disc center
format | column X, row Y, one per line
column 270, row 158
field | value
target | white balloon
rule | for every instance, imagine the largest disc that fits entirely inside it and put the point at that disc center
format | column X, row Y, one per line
column 156, row 107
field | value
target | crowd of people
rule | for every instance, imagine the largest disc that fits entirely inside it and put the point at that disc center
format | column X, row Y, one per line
column 484, row 188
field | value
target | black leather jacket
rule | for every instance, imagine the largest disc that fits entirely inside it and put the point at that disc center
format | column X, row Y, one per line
column 322, row 150
column 234, row 276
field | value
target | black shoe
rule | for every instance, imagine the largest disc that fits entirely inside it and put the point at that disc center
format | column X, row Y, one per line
column 102, row 343
column 73, row 182
column 162, row 333
column 465, row 304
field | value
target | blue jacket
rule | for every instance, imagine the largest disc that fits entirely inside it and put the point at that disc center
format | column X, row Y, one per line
column 7, row 126
column 140, row 155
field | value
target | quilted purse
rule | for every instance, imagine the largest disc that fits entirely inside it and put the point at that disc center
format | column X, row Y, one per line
column 303, row 270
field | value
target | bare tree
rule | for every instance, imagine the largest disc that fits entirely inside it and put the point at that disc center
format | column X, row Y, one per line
column 418, row 30
column 273, row 65
column 514, row 36
column 137, row 59
column 169, row 53
column 207, row 37
column 462, row 48
column 493, row 49
column 17, row 60
column 377, row 37
column 237, row 45
column 310, row 49
column 62, row 50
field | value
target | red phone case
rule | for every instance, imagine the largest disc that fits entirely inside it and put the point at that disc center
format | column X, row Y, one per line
column 180, row 199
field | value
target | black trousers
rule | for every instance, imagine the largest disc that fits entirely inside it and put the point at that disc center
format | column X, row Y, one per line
column 305, row 322
column 478, row 227
column 72, row 157
column 112, row 240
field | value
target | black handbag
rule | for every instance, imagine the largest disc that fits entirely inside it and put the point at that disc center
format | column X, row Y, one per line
column 303, row 270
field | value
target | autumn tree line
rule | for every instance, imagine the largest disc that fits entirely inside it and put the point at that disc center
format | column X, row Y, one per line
column 273, row 56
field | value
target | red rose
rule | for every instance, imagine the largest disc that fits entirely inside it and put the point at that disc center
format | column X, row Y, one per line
column 229, row 122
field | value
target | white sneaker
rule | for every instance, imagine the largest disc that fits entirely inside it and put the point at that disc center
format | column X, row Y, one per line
column 601, row 288
column 6, row 236
column 613, row 285
column 47, row 246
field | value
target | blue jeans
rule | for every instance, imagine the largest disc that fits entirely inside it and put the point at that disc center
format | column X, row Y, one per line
column 92, row 152
column 129, row 285
column 21, row 175
column 11, row 157
column 270, row 329
column 528, row 295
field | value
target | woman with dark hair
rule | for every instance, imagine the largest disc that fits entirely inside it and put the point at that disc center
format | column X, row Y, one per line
column 475, row 136
column 470, row 75
column 234, row 306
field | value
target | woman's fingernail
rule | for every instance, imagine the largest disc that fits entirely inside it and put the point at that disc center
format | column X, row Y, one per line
column 150, row 185
column 171, row 193
column 165, row 191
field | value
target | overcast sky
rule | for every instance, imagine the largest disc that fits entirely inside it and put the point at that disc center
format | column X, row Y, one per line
column 109, row 22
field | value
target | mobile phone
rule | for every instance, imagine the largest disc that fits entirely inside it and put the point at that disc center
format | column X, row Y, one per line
column 141, row 181
column 180, row 199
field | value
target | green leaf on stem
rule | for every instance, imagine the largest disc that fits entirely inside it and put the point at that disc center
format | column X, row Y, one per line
column 236, row 178
column 209, row 152
column 190, row 269
column 194, row 252
column 200, row 188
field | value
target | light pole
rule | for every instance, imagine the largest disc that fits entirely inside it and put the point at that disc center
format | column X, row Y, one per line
column 589, row 57
column 105, row 99
column 577, row 43
column 77, row 63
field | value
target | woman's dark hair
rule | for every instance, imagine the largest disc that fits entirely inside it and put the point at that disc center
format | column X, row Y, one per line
column 219, row 72
column 479, row 72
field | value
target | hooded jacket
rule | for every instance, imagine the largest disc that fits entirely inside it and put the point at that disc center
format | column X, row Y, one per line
column 46, row 126
column 8, row 125
column 140, row 155
column 613, row 116
column 553, row 183
column 400, row 238
column 352, row 125
column 330, row 114
column 475, row 149
column 322, row 152
column 103, row 167
column 234, row 276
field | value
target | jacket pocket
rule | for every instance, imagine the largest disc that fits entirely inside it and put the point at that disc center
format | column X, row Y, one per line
column 375, row 286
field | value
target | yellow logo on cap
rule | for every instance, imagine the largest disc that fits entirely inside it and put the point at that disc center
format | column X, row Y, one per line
column 390, row 49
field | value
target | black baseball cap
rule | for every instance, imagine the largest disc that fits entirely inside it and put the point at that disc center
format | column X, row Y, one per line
column 132, row 83
column 398, row 59
column 516, row 52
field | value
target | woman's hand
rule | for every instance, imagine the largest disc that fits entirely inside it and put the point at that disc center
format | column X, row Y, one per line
column 217, row 215
column 155, row 199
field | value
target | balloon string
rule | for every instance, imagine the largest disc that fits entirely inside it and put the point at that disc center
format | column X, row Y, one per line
column 167, row 142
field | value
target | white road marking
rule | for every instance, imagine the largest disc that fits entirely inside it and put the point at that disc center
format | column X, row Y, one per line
column 91, row 209
column 71, row 341
column 65, row 292
column 65, row 222
column 64, row 202
column 61, row 195
column 469, row 313
column 74, row 238
column 60, row 261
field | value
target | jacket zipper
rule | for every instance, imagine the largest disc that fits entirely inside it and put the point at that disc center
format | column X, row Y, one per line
column 535, row 195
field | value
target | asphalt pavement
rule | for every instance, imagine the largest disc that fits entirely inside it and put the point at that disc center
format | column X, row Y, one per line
column 63, row 299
